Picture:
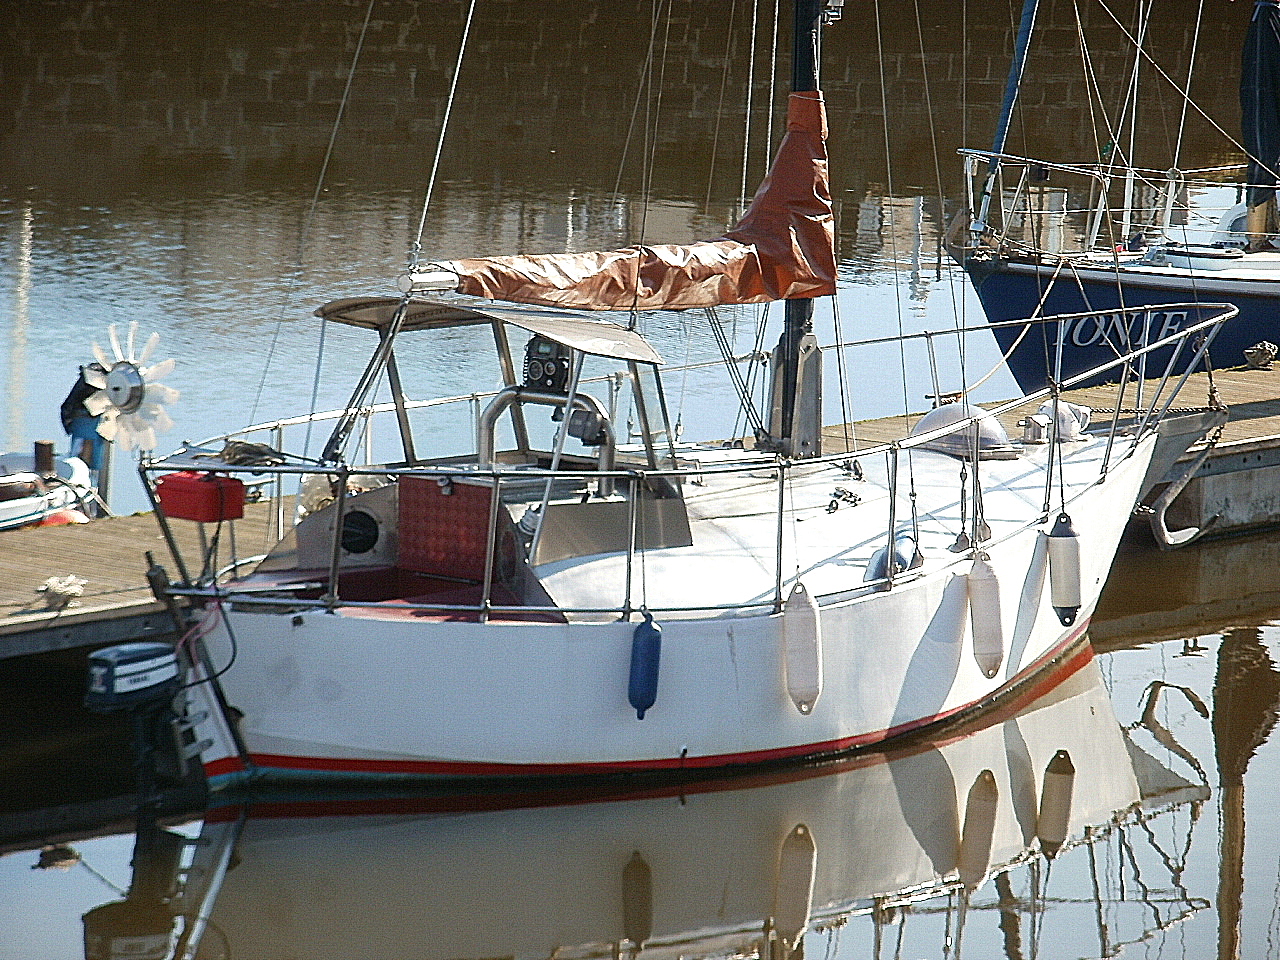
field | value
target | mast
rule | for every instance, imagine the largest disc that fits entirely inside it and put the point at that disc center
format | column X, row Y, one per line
column 795, row 422
column 1012, row 84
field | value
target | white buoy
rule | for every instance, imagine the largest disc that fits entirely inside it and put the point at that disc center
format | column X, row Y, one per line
column 984, row 617
column 979, row 828
column 1055, row 803
column 802, row 648
column 793, row 893
column 1064, row 569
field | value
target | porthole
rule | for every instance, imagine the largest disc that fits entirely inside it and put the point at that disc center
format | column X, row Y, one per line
column 359, row 532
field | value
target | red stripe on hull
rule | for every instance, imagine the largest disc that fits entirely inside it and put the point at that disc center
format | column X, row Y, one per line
column 1025, row 688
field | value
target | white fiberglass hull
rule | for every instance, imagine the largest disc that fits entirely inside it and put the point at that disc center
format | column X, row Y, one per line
column 368, row 692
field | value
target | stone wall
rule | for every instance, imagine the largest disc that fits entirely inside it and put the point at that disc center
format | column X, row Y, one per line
column 124, row 88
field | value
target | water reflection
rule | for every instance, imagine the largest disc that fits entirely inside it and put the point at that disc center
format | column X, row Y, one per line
column 1246, row 695
column 1182, row 595
column 992, row 843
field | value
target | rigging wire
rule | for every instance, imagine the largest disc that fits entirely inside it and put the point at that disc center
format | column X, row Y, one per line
column 444, row 128
column 646, row 67
column 773, row 79
column 893, row 233
column 746, row 123
column 724, row 82
column 735, row 375
column 893, row 251
column 653, row 112
column 846, row 405
column 1182, row 120
column 757, row 360
column 294, row 277
column 1182, row 90
column 956, row 313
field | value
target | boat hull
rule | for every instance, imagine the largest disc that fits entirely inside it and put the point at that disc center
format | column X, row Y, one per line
column 376, row 693
column 1011, row 289
column 27, row 498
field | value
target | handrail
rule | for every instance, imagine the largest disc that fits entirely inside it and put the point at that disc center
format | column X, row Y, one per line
column 752, row 466
column 1093, row 168
column 276, row 426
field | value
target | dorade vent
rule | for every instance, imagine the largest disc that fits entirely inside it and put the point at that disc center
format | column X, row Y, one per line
column 990, row 437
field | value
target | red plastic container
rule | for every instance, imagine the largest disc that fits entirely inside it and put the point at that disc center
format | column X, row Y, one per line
column 206, row 497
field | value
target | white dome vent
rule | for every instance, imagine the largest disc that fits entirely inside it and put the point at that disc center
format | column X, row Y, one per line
column 992, row 441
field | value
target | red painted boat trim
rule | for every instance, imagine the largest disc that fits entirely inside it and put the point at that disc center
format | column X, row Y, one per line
column 1029, row 686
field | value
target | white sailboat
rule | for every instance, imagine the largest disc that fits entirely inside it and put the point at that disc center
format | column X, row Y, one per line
column 573, row 597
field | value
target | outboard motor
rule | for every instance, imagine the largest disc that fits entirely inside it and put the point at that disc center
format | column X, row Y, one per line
column 142, row 679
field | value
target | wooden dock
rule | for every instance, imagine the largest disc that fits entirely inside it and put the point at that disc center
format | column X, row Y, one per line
column 109, row 554
column 1239, row 483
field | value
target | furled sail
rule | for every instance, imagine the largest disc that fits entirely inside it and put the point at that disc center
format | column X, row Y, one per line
column 783, row 248
column 1260, row 101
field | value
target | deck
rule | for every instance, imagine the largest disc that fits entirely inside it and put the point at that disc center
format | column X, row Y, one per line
column 1252, row 396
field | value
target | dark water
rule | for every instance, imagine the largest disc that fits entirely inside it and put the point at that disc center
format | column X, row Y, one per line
column 159, row 162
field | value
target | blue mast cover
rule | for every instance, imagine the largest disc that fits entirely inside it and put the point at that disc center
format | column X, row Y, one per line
column 1260, row 99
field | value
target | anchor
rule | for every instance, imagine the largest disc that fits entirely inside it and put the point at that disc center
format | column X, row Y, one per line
column 1168, row 539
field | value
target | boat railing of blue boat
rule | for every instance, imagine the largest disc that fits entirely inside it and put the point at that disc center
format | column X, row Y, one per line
column 1050, row 208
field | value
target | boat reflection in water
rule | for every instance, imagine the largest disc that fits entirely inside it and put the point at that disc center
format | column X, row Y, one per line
column 719, row 868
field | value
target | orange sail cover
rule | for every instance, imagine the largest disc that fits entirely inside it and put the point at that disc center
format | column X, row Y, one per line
column 783, row 248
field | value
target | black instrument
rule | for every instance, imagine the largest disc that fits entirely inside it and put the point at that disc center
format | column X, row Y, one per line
column 546, row 365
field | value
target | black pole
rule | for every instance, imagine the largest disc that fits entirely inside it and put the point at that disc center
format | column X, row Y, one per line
column 799, row 313
column 805, row 40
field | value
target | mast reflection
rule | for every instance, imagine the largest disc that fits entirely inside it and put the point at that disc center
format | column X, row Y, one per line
column 1246, row 694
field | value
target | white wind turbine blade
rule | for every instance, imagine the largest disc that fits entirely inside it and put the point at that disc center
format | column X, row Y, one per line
column 95, row 378
column 133, row 335
column 142, row 437
column 101, row 356
column 159, row 371
column 149, row 348
column 161, row 393
column 115, row 343
column 97, row 404
column 107, row 427
column 153, row 415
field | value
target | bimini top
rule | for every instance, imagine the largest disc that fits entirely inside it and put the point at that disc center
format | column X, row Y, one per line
column 597, row 337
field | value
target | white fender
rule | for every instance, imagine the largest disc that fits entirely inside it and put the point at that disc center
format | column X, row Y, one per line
column 1064, row 569
column 984, row 617
column 802, row 648
column 1055, row 803
column 979, row 828
column 793, row 892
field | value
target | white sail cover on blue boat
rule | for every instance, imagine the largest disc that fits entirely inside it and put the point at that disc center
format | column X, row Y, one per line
column 783, row 248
